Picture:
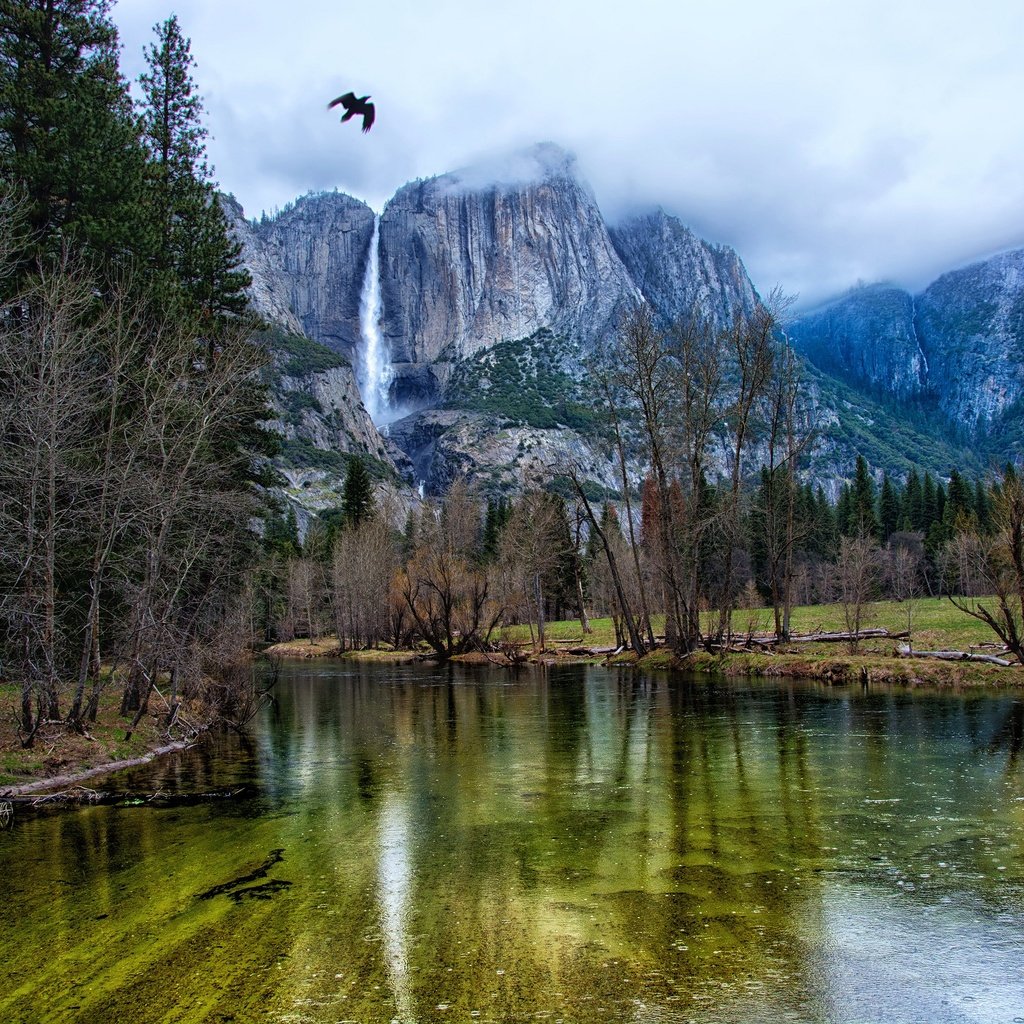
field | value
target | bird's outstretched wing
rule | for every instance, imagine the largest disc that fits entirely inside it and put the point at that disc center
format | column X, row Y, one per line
column 368, row 116
column 346, row 101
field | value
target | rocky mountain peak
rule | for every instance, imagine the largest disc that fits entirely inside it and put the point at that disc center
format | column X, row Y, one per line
column 677, row 272
column 493, row 253
column 308, row 264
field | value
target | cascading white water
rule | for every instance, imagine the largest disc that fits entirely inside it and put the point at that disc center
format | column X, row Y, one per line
column 375, row 373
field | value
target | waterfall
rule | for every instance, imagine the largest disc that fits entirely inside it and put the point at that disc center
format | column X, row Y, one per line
column 375, row 373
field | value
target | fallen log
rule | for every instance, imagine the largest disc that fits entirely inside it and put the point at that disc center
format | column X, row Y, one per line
column 103, row 769
column 846, row 638
column 82, row 796
column 904, row 651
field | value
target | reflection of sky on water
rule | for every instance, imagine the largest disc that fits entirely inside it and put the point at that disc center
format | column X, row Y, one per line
column 884, row 957
column 395, row 881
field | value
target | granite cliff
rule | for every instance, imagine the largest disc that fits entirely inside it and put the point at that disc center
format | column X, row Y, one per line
column 467, row 263
column 679, row 273
column 956, row 350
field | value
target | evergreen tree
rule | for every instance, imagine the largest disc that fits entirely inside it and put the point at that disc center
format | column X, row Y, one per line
column 959, row 508
column 844, row 510
column 929, row 504
column 196, row 253
column 888, row 509
column 825, row 534
column 495, row 520
column 357, row 503
column 913, row 503
column 863, row 518
column 560, row 580
column 982, row 506
column 68, row 141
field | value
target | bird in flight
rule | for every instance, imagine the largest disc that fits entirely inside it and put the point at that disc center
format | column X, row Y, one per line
column 355, row 105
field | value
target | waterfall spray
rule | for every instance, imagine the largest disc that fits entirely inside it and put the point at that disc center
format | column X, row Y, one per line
column 375, row 373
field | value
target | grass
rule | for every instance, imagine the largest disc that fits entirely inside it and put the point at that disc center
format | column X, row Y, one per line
column 57, row 751
column 935, row 624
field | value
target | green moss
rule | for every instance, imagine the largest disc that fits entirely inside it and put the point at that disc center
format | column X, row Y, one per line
column 299, row 355
column 524, row 381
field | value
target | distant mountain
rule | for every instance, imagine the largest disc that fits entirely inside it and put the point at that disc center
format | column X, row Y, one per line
column 868, row 339
column 956, row 350
column 678, row 273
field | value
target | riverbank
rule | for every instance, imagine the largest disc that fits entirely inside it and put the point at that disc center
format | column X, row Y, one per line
column 932, row 623
column 59, row 758
column 63, row 759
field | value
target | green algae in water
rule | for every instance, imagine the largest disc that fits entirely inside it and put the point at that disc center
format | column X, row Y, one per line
column 440, row 845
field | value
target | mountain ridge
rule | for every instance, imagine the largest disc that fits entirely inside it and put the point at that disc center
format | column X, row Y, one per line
column 471, row 265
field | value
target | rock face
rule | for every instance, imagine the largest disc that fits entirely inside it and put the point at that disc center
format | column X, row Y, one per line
column 958, row 348
column 496, row 282
column 677, row 272
column 867, row 338
column 971, row 326
column 308, row 265
column 467, row 263
column 494, row 453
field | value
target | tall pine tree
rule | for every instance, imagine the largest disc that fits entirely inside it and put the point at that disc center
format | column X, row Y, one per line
column 68, row 143
column 196, row 255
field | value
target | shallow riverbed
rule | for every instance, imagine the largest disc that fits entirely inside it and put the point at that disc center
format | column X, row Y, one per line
column 574, row 845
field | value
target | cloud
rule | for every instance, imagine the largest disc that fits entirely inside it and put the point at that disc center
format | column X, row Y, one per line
column 824, row 142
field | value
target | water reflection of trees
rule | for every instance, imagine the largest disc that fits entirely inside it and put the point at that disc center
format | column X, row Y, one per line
column 595, row 834
column 578, row 818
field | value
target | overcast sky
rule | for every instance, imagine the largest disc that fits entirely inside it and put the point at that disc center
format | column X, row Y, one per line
column 828, row 141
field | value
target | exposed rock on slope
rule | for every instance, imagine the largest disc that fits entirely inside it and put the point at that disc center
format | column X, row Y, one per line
column 466, row 264
column 322, row 421
column 867, row 338
column 677, row 272
column 495, row 453
column 308, row 265
column 971, row 326
column 958, row 347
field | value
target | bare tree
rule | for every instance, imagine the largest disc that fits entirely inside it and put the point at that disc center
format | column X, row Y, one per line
column 614, row 560
column 47, row 386
column 856, row 578
column 446, row 591
column 531, row 549
column 789, row 434
column 904, row 564
column 993, row 564
column 640, row 325
column 751, row 344
column 365, row 562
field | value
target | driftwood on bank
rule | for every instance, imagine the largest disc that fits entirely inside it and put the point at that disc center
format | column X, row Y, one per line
column 56, row 781
column 904, row 651
column 845, row 638
column 740, row 643
column 82, row 796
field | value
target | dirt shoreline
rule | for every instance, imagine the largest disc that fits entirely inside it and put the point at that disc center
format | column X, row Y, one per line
column 41, row 786
column 835, row 669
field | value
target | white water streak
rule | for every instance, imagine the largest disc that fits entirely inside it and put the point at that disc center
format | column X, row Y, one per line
column 395, row 878
column 375, row 372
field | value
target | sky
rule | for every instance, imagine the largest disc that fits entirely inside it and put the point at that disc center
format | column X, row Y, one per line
column 830, row 142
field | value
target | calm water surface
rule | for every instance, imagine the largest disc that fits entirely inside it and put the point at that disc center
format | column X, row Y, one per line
column 450, row 845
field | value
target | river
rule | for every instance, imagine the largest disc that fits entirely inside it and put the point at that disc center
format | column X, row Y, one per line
column 572, row 845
